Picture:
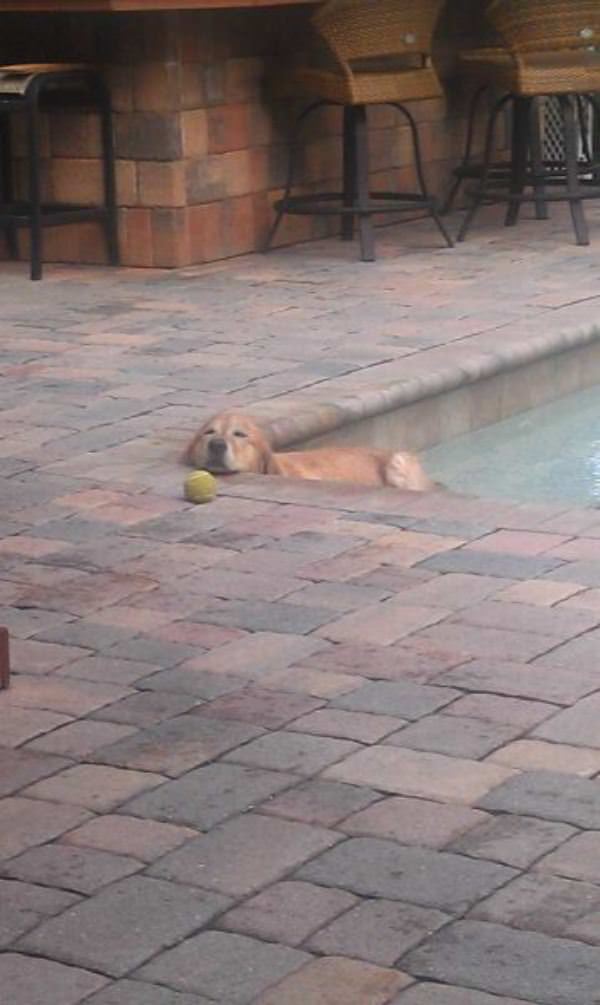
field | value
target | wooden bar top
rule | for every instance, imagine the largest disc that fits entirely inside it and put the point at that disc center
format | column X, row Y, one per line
column 73, row 6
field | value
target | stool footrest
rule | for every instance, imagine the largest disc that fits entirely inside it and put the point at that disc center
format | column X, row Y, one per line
column 20, row 213
column 332, row 204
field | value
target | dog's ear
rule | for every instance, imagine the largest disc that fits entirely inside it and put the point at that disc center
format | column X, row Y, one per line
column 261, row 449
column 189, row 454
column 264, row 454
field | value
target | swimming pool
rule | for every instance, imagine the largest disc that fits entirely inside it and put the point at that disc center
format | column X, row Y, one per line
column 549, row 453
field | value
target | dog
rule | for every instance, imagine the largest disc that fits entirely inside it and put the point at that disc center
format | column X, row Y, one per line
column 230, row 443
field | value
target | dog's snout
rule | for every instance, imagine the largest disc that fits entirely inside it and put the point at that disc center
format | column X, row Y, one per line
column 217, row 445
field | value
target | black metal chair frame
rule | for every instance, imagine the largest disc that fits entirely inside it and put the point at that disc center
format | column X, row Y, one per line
column 528, row 170
column 72, row 89
column 470, row 169
column 356, row 202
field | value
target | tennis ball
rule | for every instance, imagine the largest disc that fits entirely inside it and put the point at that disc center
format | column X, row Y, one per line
column 200, row 487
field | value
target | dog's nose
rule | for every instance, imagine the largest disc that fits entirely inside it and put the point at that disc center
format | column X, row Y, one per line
column 217, row 446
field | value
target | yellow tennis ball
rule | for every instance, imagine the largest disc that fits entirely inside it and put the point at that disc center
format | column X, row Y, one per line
column 200, row 487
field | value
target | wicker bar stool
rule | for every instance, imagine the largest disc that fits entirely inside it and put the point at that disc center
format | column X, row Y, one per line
column 30, row 90
column 375, row 54
column 550, row 43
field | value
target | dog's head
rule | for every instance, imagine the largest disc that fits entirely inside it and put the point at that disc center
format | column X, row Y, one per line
column 229, row 443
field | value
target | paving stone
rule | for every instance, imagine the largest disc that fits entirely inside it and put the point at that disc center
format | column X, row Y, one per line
column 443, row 994
column 319, row 802
column 30, row 656
column 208, row 795
column 413, row 821
column 488, row 643
column 78, row 870
column 360, row 726
column 396, row 662
column 535, row 755
column 154, row 651
column 584, row 573
column 400, row 698
column 578, row 599
column 540, row 592
column 544, row 794
column 287, row 912
column 377, row 930
column 24, row 905
column 559, row 622
column 260, row 706
column 513, row 840
column 505, row 962
column 455, row 735
column 578, row 858
column 124, row 925
column 232, row 969
column 518, row 712
column 144, row 839
column 19, row 768
column 277, row 616
column 244, row 854
column 127, row 992
column 94, row 786
column 17, row 725
column 382, row 623
column 146, row 708
column 577, row 725
column 453, row 591
column 59, row 695
column 586, row 929
column 506, row 566
column 80, row 738
column 336, row 981
column 176, row 745
column 29, row 822
column 199, row 684
column 108, row 670
column 258, row 654
column 418, row 773
column 374, row 867
column 340, row 597
column 562, row 687
column 296, row 752
column 44, row 982
column 85, row 634
column 318, row 683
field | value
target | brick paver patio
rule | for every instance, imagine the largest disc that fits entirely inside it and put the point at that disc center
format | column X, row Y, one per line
column 307, row 744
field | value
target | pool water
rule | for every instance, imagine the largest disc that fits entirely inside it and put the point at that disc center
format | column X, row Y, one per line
column 549, row 453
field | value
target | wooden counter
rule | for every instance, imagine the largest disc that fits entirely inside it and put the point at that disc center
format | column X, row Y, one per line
column 82, row 6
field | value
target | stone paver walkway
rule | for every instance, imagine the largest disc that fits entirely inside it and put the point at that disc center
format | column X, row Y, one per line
column 307, row 745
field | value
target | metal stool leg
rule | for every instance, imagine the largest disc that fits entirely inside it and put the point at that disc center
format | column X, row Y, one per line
column 431, row 209
column 479, row 195
column 349, row 195
column 108, row 166
column 573, row 186
column 518, row 173
column 365, row 223
column 537, row 161
column 293, row 142
column 466, row 159
column 35, row 219
column 6, row 183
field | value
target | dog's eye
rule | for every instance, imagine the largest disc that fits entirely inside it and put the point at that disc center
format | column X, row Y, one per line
column 208, row 432
column 239, row 432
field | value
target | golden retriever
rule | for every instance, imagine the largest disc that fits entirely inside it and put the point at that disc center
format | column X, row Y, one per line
column 230, row 443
